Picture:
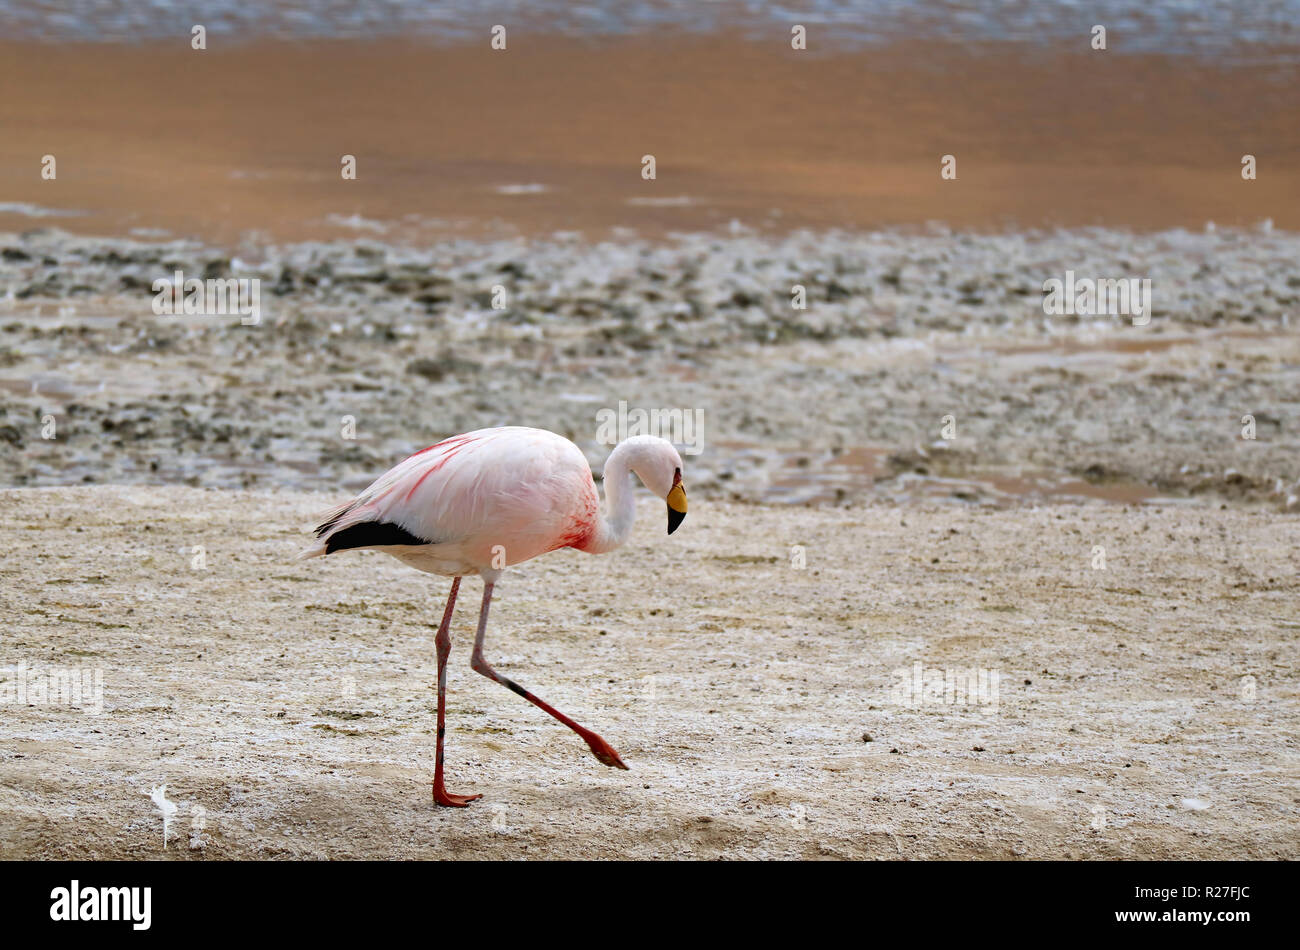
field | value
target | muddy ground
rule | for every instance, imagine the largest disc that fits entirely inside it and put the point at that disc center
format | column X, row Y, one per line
column 1144, row 709
column 367, row 352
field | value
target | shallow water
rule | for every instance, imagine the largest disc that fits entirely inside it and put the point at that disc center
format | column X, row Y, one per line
column 1157, row 26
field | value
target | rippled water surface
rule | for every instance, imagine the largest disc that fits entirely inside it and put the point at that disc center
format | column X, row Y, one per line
column 1174, row 26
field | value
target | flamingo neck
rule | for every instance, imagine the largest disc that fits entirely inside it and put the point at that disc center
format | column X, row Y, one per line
column 615, row 522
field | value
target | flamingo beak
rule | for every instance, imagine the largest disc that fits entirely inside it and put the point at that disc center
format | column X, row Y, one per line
column 676, row 505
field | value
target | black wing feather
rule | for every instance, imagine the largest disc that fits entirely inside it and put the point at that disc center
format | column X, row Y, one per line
column 370, row 534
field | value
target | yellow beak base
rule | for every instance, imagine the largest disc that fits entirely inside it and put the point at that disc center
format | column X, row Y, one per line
column 676, row 507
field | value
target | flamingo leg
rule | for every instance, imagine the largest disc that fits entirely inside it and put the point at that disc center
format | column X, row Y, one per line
column 601, row 749
column 443, row 642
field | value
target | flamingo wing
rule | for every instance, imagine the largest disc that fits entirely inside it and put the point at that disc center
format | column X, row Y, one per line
column 512, row 486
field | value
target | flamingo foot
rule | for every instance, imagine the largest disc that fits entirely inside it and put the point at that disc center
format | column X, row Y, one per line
column 604, row 752
column 445, row 798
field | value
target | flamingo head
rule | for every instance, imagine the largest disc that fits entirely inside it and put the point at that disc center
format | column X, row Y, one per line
column 659, row 467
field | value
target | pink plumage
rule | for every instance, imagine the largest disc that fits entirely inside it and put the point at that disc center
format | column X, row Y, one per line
column 479, row 502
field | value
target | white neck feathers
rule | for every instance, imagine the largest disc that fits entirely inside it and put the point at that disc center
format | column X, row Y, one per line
column 614, row 524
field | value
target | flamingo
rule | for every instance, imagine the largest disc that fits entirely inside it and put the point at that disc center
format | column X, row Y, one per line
column 479, row 502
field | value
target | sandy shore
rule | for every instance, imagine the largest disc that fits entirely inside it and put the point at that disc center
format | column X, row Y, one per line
column 757, row 704
column 549, row 136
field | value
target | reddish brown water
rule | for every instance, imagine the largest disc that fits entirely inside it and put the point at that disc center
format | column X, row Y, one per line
column 550, row 136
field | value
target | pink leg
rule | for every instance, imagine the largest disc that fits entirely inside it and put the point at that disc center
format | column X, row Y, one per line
column 440, row 794
column 601, row 749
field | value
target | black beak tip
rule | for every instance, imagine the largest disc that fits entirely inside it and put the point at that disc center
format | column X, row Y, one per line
column 674, row 519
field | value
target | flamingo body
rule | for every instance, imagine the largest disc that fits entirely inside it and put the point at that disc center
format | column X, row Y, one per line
column 479, row 502
column 476, row 502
